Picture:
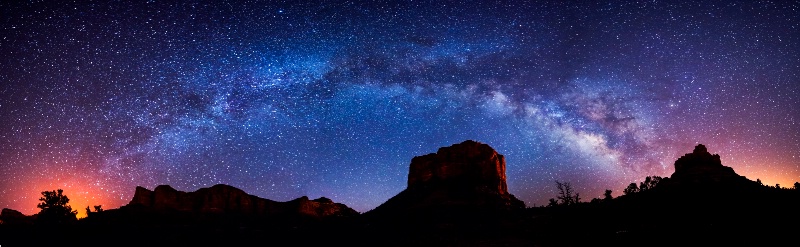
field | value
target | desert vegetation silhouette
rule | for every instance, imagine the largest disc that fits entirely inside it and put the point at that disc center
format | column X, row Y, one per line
column 55, row 208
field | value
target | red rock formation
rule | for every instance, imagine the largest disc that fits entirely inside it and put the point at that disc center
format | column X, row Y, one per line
column 469, row 160
column 469, row 175
column 700, row 166
column 227, row 199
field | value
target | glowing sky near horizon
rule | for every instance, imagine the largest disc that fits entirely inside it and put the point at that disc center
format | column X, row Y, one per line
column 286, row 99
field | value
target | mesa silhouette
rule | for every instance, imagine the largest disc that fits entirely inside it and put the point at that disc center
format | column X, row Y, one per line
column 223, row 198
column 465, row 177
column 455, row 197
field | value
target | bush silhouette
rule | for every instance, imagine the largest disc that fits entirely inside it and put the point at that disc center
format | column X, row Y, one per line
column 649, row 182
column 607, row 195
column 631, row 189
column 97, row 209
column 55, row 209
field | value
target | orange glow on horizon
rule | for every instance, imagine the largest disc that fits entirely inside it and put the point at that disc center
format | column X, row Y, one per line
column 767, row 169
column 80, row 196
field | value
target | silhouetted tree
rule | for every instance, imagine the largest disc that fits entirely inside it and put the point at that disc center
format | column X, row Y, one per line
column 97, row 208
column 55, row 209
column 631, row 189
column 797, row 185
column 644, row 185
column 649, row 183
column 565, row 194
column 758, row 180
column 656, row 180
column 607, row 196
column 552, row 202
column 777, row 186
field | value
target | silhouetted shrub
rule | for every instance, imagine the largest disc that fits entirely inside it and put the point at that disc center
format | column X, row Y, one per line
column 631, row 189
column 649, row 182
column 552, row 202
column 55, row 209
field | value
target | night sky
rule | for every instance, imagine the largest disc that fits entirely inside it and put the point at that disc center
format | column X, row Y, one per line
column 331, row 99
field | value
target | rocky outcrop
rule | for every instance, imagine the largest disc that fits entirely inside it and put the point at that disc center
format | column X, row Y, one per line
column 227, row 199
column 468, row 175
column 468, row 161
column 13, row 217
column 700, row 166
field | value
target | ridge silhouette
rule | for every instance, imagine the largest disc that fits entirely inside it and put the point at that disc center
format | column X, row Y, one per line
column 455, row 197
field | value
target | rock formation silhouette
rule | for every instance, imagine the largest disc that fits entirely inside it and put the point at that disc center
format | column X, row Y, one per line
column 701, row 167
column 455, row 197
column 228, row 199
column 14, row 217
column 702, row 203
column 464, row 176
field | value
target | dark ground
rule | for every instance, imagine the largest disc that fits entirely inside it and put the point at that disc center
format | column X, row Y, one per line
column 718, row 215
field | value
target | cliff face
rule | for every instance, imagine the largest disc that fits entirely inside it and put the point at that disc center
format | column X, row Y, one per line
column 227, row 199
column 468, row 175
column 468, row 161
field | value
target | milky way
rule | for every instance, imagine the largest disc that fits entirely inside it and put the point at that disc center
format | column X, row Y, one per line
column 290, row 99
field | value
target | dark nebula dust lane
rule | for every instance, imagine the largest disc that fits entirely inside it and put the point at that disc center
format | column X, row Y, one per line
column 285, row 99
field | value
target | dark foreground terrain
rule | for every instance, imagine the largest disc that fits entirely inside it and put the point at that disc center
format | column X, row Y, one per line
column 455, row 197
column 651, row 220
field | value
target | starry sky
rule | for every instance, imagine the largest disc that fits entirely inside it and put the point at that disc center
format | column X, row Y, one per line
column 286, row 99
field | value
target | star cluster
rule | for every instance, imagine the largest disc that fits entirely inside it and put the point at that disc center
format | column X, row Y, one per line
column 285, row 99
